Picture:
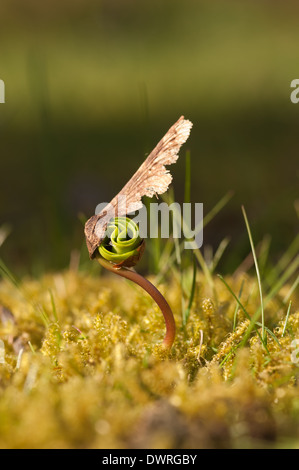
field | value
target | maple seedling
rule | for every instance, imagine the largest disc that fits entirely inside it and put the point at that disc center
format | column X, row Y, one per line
column 115, row 241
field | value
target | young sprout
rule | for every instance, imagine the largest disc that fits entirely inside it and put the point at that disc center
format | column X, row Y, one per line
column 114, row 241
column 121, row 249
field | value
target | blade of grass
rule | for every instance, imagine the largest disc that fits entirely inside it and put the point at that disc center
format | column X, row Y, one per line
column 219, row 252
column 287, row 318
column 270, row 333
column 217, row 208
column 166, row 260
column 53, row 306
column 176, row 256
column 5, row 230
column 257, row 271
column 283, row 278
column 31, row 347
column 269, row 297
column 237, row 306
column 206, row 272
column 7, row 274
column 264, row 252
column 292, row 288
column 187, row 311
column 284, row 261
column 227, row 356
column 253, row 319
column 214, row 211
column 246, row 264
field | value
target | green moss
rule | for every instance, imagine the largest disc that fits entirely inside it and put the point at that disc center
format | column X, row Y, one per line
column 82, row 367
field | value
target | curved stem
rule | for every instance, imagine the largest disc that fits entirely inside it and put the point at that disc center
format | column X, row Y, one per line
column 153, row 292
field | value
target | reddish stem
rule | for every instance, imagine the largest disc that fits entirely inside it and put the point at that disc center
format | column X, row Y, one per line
column 153, row 292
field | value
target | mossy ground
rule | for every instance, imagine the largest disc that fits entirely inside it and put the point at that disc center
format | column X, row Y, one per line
column 81, row 368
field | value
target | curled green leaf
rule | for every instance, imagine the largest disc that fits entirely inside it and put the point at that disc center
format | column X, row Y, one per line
column 122, row 244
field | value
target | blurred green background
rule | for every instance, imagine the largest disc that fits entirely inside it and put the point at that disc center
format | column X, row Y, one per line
column 91, row 86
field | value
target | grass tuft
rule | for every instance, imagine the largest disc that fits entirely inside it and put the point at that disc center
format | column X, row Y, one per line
column 257, row 274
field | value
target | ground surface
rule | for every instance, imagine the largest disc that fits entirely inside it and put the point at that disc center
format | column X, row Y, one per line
column 80, row 367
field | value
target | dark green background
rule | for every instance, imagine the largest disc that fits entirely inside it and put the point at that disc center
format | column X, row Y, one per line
column 91, row 86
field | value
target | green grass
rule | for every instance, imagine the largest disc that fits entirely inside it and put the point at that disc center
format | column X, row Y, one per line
column 257, row 273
